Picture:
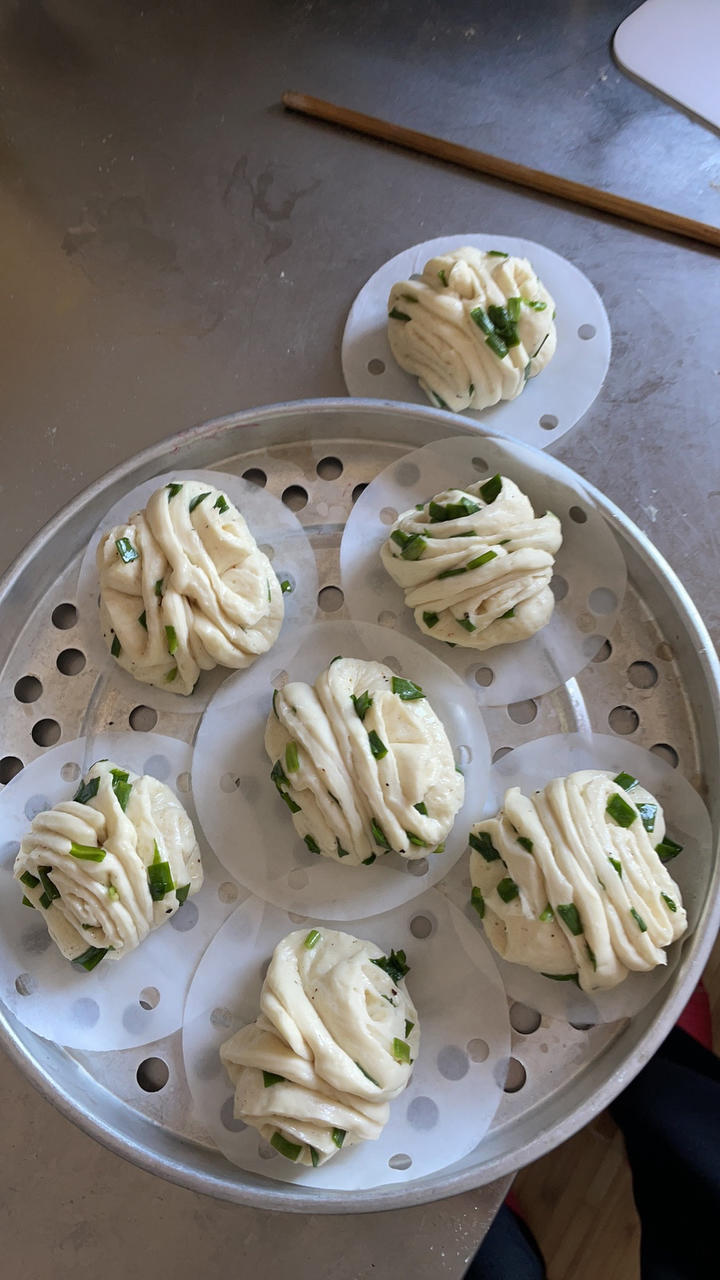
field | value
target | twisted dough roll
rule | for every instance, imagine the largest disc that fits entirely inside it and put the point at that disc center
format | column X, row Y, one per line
column 334, row 1043
column 571, row 880
column 184, row 588
column 473, row 328
column 475, row 564
column 363, row 763
column 110, row 865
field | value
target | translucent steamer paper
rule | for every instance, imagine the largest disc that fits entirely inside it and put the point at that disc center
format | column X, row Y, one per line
column 453, row 1092
column 277, row 532
column 551, row 403
column 530, row 767
column 589, row 576
column 122, row 1004
column 247, row 823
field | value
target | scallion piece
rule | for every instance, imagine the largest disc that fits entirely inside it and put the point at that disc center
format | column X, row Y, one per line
column 619, row 809
column 115, row 647
column 525, row 843
column 45, row 900
column 181, row 893
column 416, row 840
column 126, row 550
column 477, row 901
column 195, row 502
column 341, row 853
column 483, row 559
column 292, row 761
column 491, row 488
column 314, row 1156
column 121, row 786
column 496, row 253
column 270, row 1078
column 286, row 586
column 87, row 852
column 466, row 624
column 171, row 675
column 626, row 781
column 159, row 876
column 367, row 862
column 671, row 906
column 507, row 889
column 396, row 314
column 563, row 977
column 312, row 938
column 496, row 345
column 143, row 620
column 401, row 1050
column 509, row 614
column 482, row 320
column 406, row 689
column 378, row 835
column 439, row 400
column 90, row 958
column 439, row 512
column 638, row 920
column 362, row 704
column 27, row 903
column 668, row 849
column 452, row 573
column 113, row 894
column 514, row 306
column 87, row 791
column 431, row 620
column 408, row 1027
column 443, row 278
column 547, row 914
column 312, row 844
column 159, row 587
column 421, row 808
column 440, row 848
column 569, row 913
column 269, row 590
column 483, row 845
column 539, row 349
column 414, row 548
column 395, row 965
column 471, row 389
column 51, row 890
column 291, row 1150
column 173, row 490
column 648, row 813
column 338, row 1137
column 616, row 863
column 29, row 880
column 535, row 304
column 367, row 1075
column 172, row 640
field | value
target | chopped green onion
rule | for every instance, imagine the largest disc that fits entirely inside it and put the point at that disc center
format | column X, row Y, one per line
column 87, row 852
column 121, row 786
column 431, row 620
column 483, row 559
column 113, row 894
column 159, row 876
column 510, row 614
column 638, row 920
column 466, row 623
column 115, row 647
column 443, row 278
column 440, row 848
column 569, row 913
column 173, row 490
column 547, row 913
column 496, row 345
column 416, row 840
column 362, row 704
column 477, row 901
column 221, row 504
column 87, row 791
column 395, row 965
column 452, row 573
column 439, row 512
column 525, row 843
column 270, row 1078
column 491, row 488
column 45, row 900
column 379, row 835
column 90, row 958
column 292, row 761
column 591, row 955
column 615, row 862
column 312, row 938
column 367, row 862
column 439, row 400
column 367, row 1075
column 619, row 809
column 563, row 977
column 337, row 658
column 408, row 1027
column 480, row 318
column 172, row 640
column 668, row 849
column 341, row 853
column 158, row 587
column 291, row 1150
column 29, row 880
column 51, row 890
column 312, row 844
column 269, row 590
column 181, row 893
column 648, row 813
column 286, row 586
column 278, row 776
column 401, row 1050
column 496, row 253
column 514, row 306
column 507, row 889
column 338, row 1136
column 389, row 999
column 482, row 844
column 421, row 808
column 471, row 389
column 542, row 344
column 626, row 781
column 602, row 884
column 314, row 1156
column 27, row 903
column 406, row 689
column 395, row 314
column 414, row 548
column 126, row 550
column 535, row 304
column 195, row 502
column 171, row 675
column 143, row 619
column 671, row 906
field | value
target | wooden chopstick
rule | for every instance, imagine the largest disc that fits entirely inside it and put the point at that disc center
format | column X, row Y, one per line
column 535, row 179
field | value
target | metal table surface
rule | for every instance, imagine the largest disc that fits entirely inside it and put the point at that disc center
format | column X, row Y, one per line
column 174, row 246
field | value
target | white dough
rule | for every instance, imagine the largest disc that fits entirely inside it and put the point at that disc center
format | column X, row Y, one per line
column 433, row 334
column 105, row 901
column 432, row 557
column 330, row 1024
column 625, row 908
column 192, row 592
column 348, row 803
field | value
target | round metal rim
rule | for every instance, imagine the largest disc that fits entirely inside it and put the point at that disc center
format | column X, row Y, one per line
column 286, row 1197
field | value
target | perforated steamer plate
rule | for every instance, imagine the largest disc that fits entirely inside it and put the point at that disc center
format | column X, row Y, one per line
column 656, row 681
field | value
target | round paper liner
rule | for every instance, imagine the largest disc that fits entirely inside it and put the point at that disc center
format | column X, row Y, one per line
column 456, row 1083
column 249, row 826
column 106, row 1008
column 530, row 767
column 277, row 532
column 589, row 580
column 557, row 397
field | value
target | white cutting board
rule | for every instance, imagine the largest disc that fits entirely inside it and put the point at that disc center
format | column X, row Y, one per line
column 674, row 46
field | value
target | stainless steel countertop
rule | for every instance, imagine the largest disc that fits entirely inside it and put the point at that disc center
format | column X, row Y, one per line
column 174, row 246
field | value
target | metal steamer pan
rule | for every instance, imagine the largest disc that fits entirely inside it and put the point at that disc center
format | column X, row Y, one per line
column 571, row 1073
